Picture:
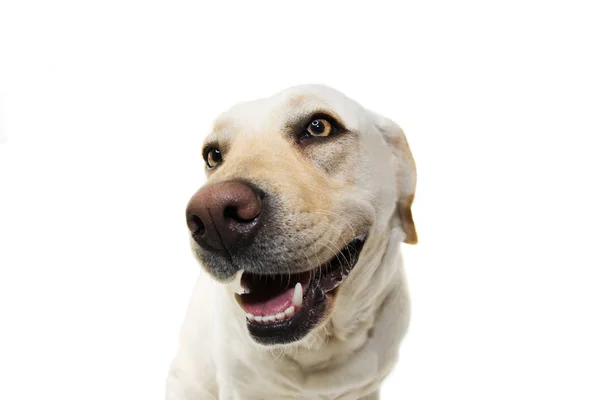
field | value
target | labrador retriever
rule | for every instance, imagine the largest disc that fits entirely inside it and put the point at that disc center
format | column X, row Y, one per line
column 298, row 230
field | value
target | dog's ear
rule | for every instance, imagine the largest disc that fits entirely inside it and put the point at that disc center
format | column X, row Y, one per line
column 406, row 175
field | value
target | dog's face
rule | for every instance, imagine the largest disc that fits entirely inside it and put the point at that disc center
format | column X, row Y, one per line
column 297, row 184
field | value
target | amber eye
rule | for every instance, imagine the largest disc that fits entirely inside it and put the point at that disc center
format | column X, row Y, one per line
column 213, row 157
column 319, row 127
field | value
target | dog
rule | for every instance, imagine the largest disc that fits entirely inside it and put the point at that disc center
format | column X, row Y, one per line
column 302, row 293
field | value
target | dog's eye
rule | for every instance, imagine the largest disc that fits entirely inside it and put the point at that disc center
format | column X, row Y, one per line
column 319, row 127
column 213, row 157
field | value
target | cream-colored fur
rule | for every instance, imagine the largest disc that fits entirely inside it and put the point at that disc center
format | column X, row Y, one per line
column 332, row 190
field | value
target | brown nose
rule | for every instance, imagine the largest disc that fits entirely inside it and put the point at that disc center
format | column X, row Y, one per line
column 223, row 215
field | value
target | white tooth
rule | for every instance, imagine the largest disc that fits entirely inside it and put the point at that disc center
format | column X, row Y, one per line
column 270, row 318
column 237, row 282
column 289, row 311
column 238, row 298
column 297, row 297
column 249, row 316
column 258, row 318
column 280, row 316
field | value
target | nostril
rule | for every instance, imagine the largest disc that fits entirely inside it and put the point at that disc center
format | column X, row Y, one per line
column 240, row 215
column 198, row 225
column 232, row 212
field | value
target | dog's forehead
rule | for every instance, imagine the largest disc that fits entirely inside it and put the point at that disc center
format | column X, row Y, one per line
column 272, row 113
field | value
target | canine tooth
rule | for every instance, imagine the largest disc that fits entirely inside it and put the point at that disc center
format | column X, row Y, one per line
column 297, row 297
column 270, row 318
column 238, row 298
column 280, row 316
column 249, row 316
column 258, row 318
column 290, row 311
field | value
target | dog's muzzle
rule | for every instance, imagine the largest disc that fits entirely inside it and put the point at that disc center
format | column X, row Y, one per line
column 232, row 222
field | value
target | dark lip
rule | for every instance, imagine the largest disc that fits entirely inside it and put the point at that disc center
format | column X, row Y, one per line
column 321, row 289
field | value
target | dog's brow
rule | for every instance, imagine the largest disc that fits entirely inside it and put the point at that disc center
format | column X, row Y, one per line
column 221, row 124
column 221, row 133
column 211, row 137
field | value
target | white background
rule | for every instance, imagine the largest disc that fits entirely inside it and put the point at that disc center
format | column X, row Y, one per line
column 103, row 106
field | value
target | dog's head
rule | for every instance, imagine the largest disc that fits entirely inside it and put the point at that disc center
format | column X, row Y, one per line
column 296, row 185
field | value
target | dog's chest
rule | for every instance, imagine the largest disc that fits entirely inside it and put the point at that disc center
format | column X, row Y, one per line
column 271, row 376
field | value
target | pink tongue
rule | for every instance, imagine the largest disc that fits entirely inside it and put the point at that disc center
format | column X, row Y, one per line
column 271, row 306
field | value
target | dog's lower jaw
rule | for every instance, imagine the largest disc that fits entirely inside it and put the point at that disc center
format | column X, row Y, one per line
column 378, row 267
column 361, row 291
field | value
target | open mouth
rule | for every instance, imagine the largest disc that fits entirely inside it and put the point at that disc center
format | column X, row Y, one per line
column 283, row 308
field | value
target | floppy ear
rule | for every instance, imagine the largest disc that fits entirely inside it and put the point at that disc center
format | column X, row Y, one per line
column 406, row 175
